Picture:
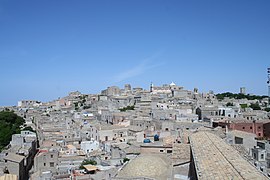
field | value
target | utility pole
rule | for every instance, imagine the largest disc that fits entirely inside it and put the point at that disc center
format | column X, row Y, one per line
column 268, row 82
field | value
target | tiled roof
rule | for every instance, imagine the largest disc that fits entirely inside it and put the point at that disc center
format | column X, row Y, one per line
column 214, row 159
column 9, row 177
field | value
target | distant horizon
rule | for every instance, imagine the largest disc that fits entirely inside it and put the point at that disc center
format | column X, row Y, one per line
column 122, row 87
column 49, row 48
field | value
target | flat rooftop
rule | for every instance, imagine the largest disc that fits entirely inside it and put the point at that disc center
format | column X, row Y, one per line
column 14, row 157
column 214, row 159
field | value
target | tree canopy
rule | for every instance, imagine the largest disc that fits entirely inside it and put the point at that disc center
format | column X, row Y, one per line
column 229, row 104
column 221, row 96
column 127, row 108
column 267, row 109
column 255, row 106
column 9, row 124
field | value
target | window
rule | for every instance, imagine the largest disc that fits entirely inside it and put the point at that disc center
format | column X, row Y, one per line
column 243, row 127
column 259, row 127
column 161, row 150
column 51, row 164
column 51, row 155
column 169, row 151
column 262, row 156
column 44, row 164
column 238, row 140
column 250, row 127
column 259, row 134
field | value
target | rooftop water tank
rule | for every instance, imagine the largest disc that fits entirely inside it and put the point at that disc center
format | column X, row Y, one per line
column 146, row 141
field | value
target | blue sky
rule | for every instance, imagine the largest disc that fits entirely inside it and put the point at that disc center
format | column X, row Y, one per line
column 49, row 48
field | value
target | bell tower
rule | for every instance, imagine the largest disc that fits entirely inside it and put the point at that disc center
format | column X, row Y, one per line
column 151, row 87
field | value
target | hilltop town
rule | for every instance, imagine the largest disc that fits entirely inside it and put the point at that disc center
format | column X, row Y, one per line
column 164, row 132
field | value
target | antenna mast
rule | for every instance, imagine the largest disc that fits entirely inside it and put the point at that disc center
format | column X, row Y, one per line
column 268, row 82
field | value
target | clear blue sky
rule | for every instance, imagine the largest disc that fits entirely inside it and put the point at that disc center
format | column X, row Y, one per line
column 49, row 48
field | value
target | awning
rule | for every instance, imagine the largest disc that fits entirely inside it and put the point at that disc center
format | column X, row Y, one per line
column 90, row 167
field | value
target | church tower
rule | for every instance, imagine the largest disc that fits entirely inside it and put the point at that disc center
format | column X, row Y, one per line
column 151, row 87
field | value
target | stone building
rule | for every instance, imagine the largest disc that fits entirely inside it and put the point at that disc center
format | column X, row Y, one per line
column 89, row 146
column 203, row 112
column 111, row 91
column 16, row 165
column 245, row 139
column 260, row 128
column 46, row 160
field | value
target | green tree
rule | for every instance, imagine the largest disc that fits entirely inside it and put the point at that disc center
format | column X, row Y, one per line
column 243, row 106
column 10, row 123
column 255, row 106
column 229, row 104
column 127, row 108
column 221, row 96
column 29, row 128
column 267, row 109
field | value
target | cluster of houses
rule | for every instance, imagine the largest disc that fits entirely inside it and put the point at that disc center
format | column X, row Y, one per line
column 129, row 133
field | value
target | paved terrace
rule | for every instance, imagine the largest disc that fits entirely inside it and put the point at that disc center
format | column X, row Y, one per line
column 214, row 159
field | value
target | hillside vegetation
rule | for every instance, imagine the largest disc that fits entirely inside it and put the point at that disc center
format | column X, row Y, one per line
column 221, row 96
column 9, row 124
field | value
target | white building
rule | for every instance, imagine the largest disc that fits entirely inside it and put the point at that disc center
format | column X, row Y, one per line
column 227, row 112
column 89, row 146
